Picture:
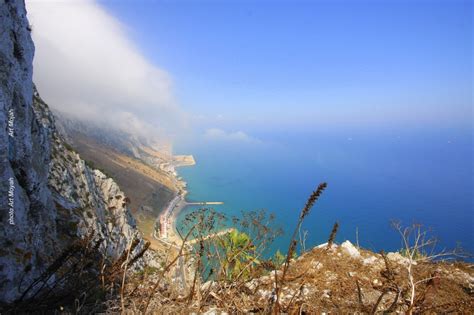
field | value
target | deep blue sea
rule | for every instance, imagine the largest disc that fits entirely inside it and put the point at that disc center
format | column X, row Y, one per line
column 373, row 177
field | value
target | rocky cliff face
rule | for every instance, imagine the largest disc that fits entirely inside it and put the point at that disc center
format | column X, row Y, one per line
column 86, row 200
column 48, row 195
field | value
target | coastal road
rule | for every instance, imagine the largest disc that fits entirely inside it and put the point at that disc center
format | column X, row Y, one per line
column 172, row 205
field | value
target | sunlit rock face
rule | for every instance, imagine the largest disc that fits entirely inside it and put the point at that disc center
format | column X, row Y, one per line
column 28, row 219
column 87, row 201
column 48, row 195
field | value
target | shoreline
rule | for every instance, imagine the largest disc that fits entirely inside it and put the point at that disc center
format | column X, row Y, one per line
column 178, row 161
column 173, row 234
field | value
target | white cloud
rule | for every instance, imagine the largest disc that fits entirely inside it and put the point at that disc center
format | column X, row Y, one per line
column 219, row 134
column 86, row 66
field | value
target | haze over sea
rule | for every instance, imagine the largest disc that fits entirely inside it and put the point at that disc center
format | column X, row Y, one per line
column 373, row 177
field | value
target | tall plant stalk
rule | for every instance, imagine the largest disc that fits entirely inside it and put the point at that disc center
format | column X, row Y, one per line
column 292, row 246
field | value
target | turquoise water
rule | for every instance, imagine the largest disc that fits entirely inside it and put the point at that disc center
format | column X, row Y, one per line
column 373, row 178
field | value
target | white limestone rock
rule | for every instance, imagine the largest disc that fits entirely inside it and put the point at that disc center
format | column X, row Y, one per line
column 370, row 260
column 399, row 259
column 350, row 249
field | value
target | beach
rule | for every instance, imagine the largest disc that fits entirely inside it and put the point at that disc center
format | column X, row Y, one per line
column 173, row 235
column 178, row 203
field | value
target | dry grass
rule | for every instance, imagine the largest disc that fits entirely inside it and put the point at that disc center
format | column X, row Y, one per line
column 319, row 281
column 79, row 280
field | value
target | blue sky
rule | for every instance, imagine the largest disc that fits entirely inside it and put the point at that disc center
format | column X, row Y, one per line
column 337, row 63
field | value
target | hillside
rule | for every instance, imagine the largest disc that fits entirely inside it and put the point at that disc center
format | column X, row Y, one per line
column 147, row 176
column 146, row 186
column 342, row 279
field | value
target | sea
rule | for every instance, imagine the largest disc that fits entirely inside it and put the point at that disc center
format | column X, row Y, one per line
column 373, row 179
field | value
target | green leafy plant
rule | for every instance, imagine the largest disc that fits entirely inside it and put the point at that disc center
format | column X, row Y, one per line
column 239, row 252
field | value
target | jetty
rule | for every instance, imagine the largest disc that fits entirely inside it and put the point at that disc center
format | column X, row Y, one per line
column 217, row 234
column 204, row 203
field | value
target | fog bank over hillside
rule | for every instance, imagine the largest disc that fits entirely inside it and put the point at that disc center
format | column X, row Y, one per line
column 86, row 67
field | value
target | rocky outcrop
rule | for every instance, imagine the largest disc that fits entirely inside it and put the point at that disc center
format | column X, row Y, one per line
column 87, row 200
column 48, row 195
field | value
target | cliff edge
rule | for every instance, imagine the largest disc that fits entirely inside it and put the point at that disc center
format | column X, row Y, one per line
column 49, row 197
